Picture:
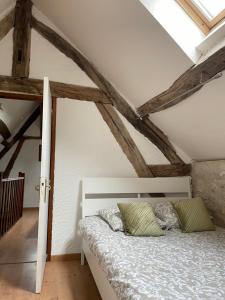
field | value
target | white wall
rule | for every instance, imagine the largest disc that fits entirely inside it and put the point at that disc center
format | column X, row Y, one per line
column 27, row 162
column 125, row 42
column 178, row 24
column 84, row 143
column 197, row 123
column 85, row 147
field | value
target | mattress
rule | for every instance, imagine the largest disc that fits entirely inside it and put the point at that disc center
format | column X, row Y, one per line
column 175, row 266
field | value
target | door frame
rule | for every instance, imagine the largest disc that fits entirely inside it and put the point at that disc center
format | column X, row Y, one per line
column 14, row 97
column 52, row 178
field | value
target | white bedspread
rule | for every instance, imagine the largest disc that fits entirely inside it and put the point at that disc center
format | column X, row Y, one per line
column 175, row 266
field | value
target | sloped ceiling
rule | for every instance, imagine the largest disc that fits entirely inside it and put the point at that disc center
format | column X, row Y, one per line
column 137, row 55
column 123, row 40
column 5, row 4
column 14, row 112
column 133, row 51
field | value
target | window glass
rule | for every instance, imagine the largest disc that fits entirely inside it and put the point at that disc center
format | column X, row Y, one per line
column 210, row 8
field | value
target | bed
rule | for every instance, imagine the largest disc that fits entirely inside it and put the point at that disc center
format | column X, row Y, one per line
column 174, row 266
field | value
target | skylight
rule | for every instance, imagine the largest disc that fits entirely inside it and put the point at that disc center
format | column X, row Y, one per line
column 205, row 13
column 210, row 8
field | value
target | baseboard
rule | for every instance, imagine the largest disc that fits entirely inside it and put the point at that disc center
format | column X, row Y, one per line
column 65, row 257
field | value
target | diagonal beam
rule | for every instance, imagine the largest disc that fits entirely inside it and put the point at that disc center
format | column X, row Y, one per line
column 68, row 50
column 21, row 131
column 124, row 139
column 32, row 89
column 12, row 160
column 22, row 38
column 187, row 84
column 171, row 170
column 6, row 24
column 145, row 127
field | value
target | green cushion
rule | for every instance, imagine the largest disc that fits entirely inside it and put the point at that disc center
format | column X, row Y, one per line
column 139, row 219
column 193, row 215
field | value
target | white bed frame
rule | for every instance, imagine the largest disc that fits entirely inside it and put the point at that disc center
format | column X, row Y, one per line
column 100, row 193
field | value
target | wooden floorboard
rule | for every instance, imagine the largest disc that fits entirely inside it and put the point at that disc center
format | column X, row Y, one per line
column 19, row 244
column 62, row 281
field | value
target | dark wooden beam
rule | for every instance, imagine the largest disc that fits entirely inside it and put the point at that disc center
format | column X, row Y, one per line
column 22, row 38
column 32, row 89
column 6, row 24
column 13, row 158
column 68, row 50
column 21, row 131
column 143, row 126
column 170, row 170
column 4, row 130
column 187, row 84
column 124, row 139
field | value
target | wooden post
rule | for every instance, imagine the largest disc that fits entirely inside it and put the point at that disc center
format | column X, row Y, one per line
column 22, row 38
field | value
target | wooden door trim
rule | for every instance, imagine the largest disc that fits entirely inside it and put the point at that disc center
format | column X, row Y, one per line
column 52, row 178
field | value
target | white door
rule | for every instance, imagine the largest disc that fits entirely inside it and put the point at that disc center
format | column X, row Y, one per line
column 44, row 185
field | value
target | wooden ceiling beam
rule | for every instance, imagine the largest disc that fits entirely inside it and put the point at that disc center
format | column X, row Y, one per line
column 187, row 84
column 22, row 38
column 32, row 89
column 145, row 127
column 124, row 139
column 33, row 117
column 6, row 24
column 170, row 170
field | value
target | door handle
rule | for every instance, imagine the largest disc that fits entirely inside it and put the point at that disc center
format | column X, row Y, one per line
column 37, row 188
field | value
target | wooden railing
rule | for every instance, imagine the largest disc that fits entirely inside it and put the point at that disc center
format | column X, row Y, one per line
column 11, row 201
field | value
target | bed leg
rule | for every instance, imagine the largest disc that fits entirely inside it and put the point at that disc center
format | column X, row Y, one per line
column 82, row 257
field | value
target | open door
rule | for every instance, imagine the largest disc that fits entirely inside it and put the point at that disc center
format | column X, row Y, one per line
column 44, row 185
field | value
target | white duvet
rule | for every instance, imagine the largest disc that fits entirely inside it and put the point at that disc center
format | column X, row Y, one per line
column 175, row 266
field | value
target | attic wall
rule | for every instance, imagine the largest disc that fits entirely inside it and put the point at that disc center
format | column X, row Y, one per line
column 84, row 143
column 85, row 147
column 209, row 183
column 141, row 59
column 28, row 163
column 197, row 123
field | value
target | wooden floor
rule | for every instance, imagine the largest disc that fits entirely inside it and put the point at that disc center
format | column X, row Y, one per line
column 62, row 281
column 19, row 244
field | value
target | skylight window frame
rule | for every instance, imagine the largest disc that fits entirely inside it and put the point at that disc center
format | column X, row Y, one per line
column 198, row 16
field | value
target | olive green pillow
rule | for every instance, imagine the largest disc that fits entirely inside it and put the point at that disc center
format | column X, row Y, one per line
column 193, row 215
column 139, row 219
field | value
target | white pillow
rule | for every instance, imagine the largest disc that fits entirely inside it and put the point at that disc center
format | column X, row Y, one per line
column 113, row 217
column 164, row 211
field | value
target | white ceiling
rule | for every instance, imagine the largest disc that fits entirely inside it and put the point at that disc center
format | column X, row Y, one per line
column 5, row 4
column 135, row 54
column 123, row 40
column 14, row 112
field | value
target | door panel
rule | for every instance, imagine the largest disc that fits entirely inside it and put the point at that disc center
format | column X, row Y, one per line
column 44, row 185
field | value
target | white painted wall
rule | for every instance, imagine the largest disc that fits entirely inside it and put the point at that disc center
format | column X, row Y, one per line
column 178, row 24
column 124, row 41
column 197, row 124
column 85, row 147
column 27, row 162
